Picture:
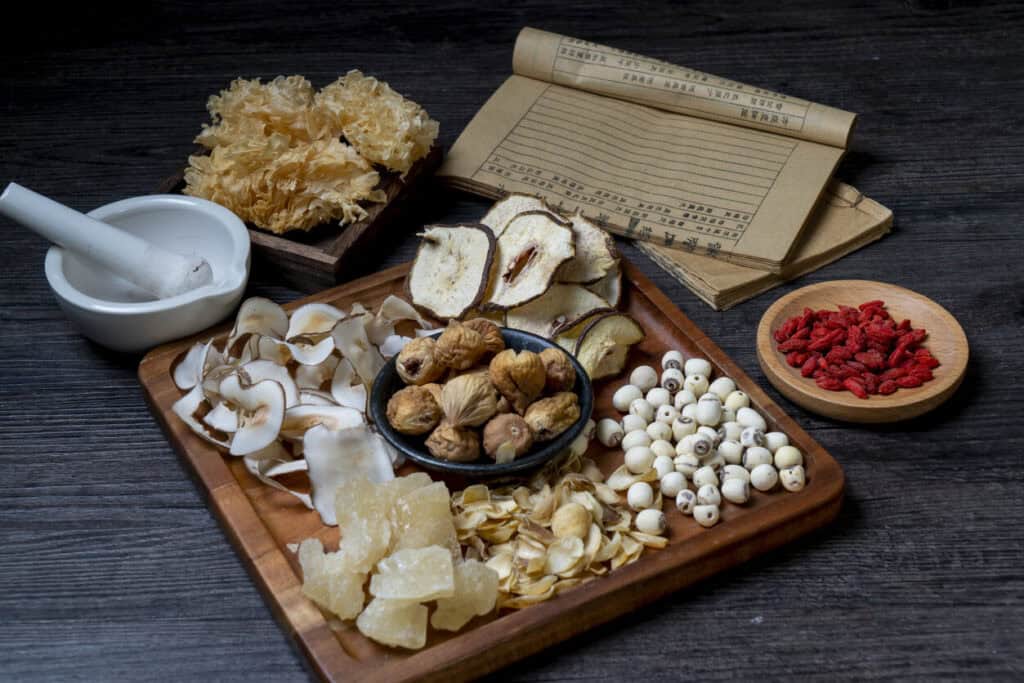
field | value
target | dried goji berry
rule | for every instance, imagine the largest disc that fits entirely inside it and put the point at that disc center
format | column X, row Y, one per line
column 810, row 365
column 855, row 387
column 888, row 387
column 909, row 381
column 794, row 345
column 829, row 383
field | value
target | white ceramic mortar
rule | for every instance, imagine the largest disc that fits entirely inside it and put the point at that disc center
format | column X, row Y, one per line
column 119, row 315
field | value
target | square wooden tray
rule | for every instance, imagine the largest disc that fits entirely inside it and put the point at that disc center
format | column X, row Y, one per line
column 261, row 521
column 314, row 260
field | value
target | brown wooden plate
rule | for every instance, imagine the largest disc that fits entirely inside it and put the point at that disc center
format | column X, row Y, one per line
column 946, row 340
column 261, row 521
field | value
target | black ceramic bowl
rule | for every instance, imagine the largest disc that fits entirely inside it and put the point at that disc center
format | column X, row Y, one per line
column 388, row 382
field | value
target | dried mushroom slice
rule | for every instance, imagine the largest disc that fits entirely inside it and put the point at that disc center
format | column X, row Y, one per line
column 451, row 270
column 529, row 252
column 501, row 214
column 595, row 253
column 603, row 345
column 609, row 287
column 560, row 307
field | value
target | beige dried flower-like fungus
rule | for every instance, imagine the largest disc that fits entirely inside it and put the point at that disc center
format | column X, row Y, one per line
column 383, row 126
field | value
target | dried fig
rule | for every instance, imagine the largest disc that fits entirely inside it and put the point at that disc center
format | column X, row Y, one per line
column 509, row 431
column 491, row 333
column 561, row 375
column 449, row 442
column 413, row 410
column 549, row 417
column 417, row 361
column 435, row 391
column 460, row 346
column 520, row 377
column 504, row 406
column 469, row 400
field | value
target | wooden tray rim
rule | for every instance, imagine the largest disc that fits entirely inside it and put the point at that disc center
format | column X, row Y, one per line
column 461, row 655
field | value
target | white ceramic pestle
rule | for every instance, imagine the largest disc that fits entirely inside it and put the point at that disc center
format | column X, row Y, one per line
column 160, row 272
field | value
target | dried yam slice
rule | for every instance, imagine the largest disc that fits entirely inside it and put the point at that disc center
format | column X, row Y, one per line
column 595, row 253
column 609, row 287
column 529, row 252
column 451, row 270
column 559, row 308
column 603, row 345
column 501, row 214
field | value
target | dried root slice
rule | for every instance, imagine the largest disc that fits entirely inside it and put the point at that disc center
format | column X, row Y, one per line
column 298, row 419
column 595, row 253
column 501, row 214
column 261, row 410
column 258, row 370
column 335, row 457
column 344, row 390
column 187, row 371
column 603, row 345
column 259, row 316
column 188, row 406
column 351, row 340
column 609, row 287
column 451, row 270
column 562, row 306
column 528, row 255
column 397, row 623
column 313, row 320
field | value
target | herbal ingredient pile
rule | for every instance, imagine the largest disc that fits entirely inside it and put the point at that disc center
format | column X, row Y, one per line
column 861, row 350
column 513, row 398
column 284, row 157
column 683, row 430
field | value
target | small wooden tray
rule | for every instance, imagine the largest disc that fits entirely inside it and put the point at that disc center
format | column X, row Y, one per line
column 261, row 521
column 946, row 340
column 314, row 260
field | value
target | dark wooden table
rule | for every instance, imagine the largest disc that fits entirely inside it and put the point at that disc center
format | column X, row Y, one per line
column 111, row 566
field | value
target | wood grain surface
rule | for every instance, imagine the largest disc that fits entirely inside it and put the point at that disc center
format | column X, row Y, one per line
column 946, row 341
column 113, row 567
column 262, row 522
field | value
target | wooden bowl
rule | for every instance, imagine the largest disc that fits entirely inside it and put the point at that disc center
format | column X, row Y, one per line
column 946, row 340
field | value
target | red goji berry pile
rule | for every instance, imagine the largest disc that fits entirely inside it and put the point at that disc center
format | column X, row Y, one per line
column 861, row 350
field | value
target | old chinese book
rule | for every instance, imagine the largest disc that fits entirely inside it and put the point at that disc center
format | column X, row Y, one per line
column 653, row 151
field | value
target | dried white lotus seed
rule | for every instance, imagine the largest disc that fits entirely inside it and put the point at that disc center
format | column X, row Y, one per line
column 672, row 483
column 698, row 384
column 773, row 441
column 683, row 427
column 685, row 501
column 728, row 414
column 684, row 398
column 659, row 396
column 636, row 438
column 697, row 366
column 672, row 359
column 748, row 417
column 756, row 456
column 752, row 436
column 793, row 478
column 733, row 472
column 659, row 431
column 625, row 395
column 666, row 414
column 645, row 377
column 642, row 408
column 609, row 432
column 672, row 379
column 708, row 412
column 737, row 400
column 714, row 462
column 788, row 456
column 731, row 452
column 706, row 515
column 639, row 459
column 709, row 432
column 708, row 494
column 687, row 464
column 685, row 445
column 663, row 465
column 736, row 490
column 764, row 477
column 631, row 423
column 651, row 521
column 704, row 475
column 640, row 496
column 689, row 410
column 663, row 448
column 722, row 387
column 702, row 445
column 731, row 429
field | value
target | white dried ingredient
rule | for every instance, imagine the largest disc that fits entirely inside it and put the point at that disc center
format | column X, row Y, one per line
column 642, row 408
column 663, row 449
column 609, row 432
column 708, row 494
column 672, row 380
column 683, row 427
column 697, row 366
column 686, row 500
column 748, row 417
column 672, row 359
column 684, row 398
column 639, row 459
column 736, row 490
column 625, row 395
column 764, row 477
column 644, row 377
column 638, row 437
column 756, row 456
column 658, row 397
column 788, row 456
column 706, row 515
column 722, row 387
column 698, row 384
column 651, row 521
column 704, row 475
column 640, row 495
column 667, row 414
column 659, row 431
column 731, row 452
column 793, row 478
column 663, row 464
column 632, row 423
column 687, row 464
column 736, row 400
column 773, row 441
column 672, row 483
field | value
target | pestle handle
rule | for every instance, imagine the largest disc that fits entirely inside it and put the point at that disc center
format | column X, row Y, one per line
column 160, row 272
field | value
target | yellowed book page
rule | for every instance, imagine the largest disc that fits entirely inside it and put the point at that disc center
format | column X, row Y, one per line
column 682, row 182
column 844, row 221
column 617, row 73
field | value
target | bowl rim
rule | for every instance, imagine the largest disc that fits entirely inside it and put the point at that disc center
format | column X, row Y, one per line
column 235, row 278
column 480, row 469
